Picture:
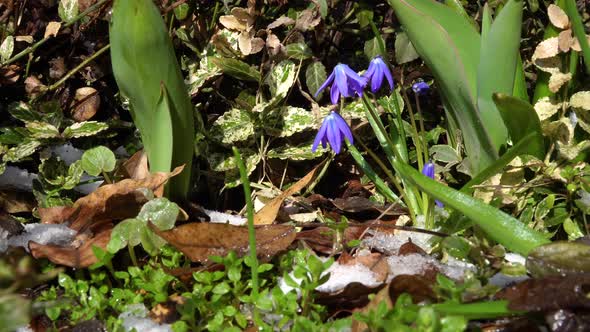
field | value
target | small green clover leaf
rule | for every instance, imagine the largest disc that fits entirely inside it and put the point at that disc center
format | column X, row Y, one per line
column 97, row 160
column 132, row 232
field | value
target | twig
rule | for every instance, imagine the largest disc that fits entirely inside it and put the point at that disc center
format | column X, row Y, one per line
column 77, row 68
column 33, row 47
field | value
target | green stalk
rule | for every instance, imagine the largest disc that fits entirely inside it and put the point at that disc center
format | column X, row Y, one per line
column 251, row 230
column 579, row 32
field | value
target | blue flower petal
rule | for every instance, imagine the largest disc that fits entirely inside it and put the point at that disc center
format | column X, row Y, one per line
column 344, row 128
column 334, row 94
column 320, row 136
column 341, row 81
column 325, row 84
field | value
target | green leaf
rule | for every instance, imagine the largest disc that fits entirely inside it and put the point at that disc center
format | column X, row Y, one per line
column 237, row 69
column 497, row 67
column 323, row 7
column 68, row 10
column 148, row 74
column 404, row 50
column 371, row 48
column 40, row 130
column 579, row 30
column 24, row 112
column 21, row 151
column 233, row 126
column 449, row 45
column 298, row 51
column 296, row 153
column 496, row 224
column 521, row 120
column 6, row 48
column 161, row 212
column 315, row 76
column 85, row 128
column 281, row 79
column 290, row 120
column 127, row 232
column 74, row 175
column 97, row 160
column 444, row 153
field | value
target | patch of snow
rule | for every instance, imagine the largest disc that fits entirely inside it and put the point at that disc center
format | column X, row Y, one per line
column 515, row 258
column 419, row 264
column 389, row 244
column 342, row 275
column 58, row 234
column 222, row 218
column 17, row 178
column 502, row 280
column 67, row 152
column 89, row 187
column 24, row 329
column 135, row 317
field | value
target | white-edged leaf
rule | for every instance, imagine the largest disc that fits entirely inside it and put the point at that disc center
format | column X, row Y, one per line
column 6, row 48
column 85, row 128
column 40, row 130
column 233, row 126
column 68, row 10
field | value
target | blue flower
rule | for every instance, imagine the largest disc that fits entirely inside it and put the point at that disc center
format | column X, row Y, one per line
column 377, row 69
column 332, row 131
column 428, row 170
column 420, row 88
column 346, row 83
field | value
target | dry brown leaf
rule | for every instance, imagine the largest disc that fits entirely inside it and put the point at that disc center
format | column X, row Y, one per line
column 546, row 109
column 382, row 296
column 307, row 20
column 110, row 202
column 52, row 29
column 248, row 44
column 86, row 104
column 557, row 80
column 80, row 257
column 565, row 40
column 558, row 17
column 58, row 68
column 268, row 213
column 16, row 201
column 232, row 23
column 33, row 86
column 283, row 20
column 136, row 167
column 546, row 49
column 27, row 39
column 9, row 74
column 198, row 241
column 273, row 44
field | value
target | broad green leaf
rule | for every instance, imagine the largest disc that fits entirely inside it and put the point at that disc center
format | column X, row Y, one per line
column 233, row 126
column 24, row 112
column 315, row 76
column 127, row 232
column 289, row 120
column 281, row 79
column 13, row 135
column 148, row 74
column 150, row 241
column 499, row 226
column 444, row 153
column 500, row 49
column 97, row 160
column 6, row 48
column 521, row 120
column 404, row 50
column 237, row 69
column 299, row 51
column 21, row 151
column 161, row 212
column 74, row 175
column 40, row 130
column 295, row 153
column 68, row 10
column 371, row 48
column 200, row 72
column 364, row 17
column 85, row 128
column 579, row 30
column 449, row 45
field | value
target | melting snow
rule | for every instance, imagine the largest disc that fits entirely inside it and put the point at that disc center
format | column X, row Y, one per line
column 418, row 264
column 58, row 234
column 17, row 178
column 222, row 218
column 136, row 318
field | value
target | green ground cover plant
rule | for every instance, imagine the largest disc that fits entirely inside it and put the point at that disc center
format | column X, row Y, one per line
column 320, row 165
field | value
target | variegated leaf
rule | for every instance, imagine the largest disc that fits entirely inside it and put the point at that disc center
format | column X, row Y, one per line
column 233, row 126
column 85, row 128
column 21, row 151
column 281, row 79
column 296, row 153
column 290, row 120
column 40, row 130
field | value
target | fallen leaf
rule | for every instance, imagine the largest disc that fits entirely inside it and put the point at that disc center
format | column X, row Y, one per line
column 16, row 201
column 307, row 20
column 283, row 20
column 9, row 74
column 198, row 241
column 558, row 17
column 321, row 239
column 549, row 293
column 52, row 29
column 58, row 68
column 419, row 287
column 76, row 257
column 565, row 40
column 232, row 23
column 27, row 39
column 557, row 80
column 273, row 44
column 33, row 86
column 354, row 295
column 115, row 201
column 546, row 49
column 268, row 213
column 545, row 108
column 86, row 104
column 136, row 167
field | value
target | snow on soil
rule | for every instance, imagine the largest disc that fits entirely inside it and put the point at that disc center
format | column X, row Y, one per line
column 222, row 218
column 135, row 317
column 58, row 234
column 17, row 178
